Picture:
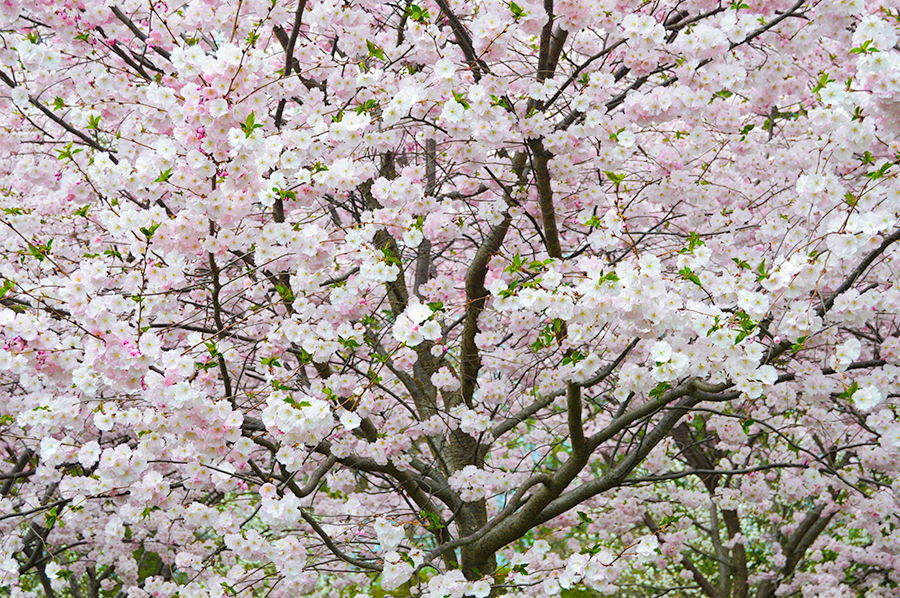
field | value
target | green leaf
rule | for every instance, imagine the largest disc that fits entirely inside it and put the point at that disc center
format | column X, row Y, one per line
column 58, row 104
column 250, row 125
column 50, row 518
column 285, row 292
column 375, row 51
column 761, row 270
column 715, row 327
column 510, row 290
column 113, row 253
column 850, row 390
column 498, row 101
column 67, row 152
column 272, row 362
column 865, row 48
column 517, row 264
column 417, row 13
column 881, row 172
column 573, row 358
column 389, row 257
column 164, row 176
column 517, row 11
column 824, row 80
column 350, row 343
column 659, row 391
column 146, row 512
column 745, row 321
column 741, row 336
column 611, row 277
column 547, row 335
column 432, row 520
column 305, row 358
column 668, row 521
column 368, row 107
column 40, row 251
column 205, row 366
column 290, row 400
column 615, row 178
column 148, row 231
column 688, row 274
column 82, row 211
column 694, row 241
column 8, row 285
column 741, row 263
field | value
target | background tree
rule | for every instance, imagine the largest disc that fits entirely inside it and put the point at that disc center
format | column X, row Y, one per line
column 449, row 298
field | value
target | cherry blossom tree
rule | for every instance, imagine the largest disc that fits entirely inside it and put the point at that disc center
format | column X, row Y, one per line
column 449, row 298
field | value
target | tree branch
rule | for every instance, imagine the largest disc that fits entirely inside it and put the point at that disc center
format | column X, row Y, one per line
column 16, row 472
column 85, row 139
column 464, row 40
column 541, row 158
column 333, row 547
column 138, row 33
column 573, row 407
column 529, row 411
column 476, row 297
column 289, row 56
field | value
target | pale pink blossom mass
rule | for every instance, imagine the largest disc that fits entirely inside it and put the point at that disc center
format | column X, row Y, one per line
column 449, row 299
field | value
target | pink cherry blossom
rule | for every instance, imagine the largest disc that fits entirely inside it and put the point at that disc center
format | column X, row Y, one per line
column 449, row 299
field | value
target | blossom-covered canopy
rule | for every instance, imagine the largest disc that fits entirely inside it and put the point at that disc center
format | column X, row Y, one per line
column 449, row 298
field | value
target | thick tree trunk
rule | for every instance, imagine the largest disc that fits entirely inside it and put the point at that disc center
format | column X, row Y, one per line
column 471, row 516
